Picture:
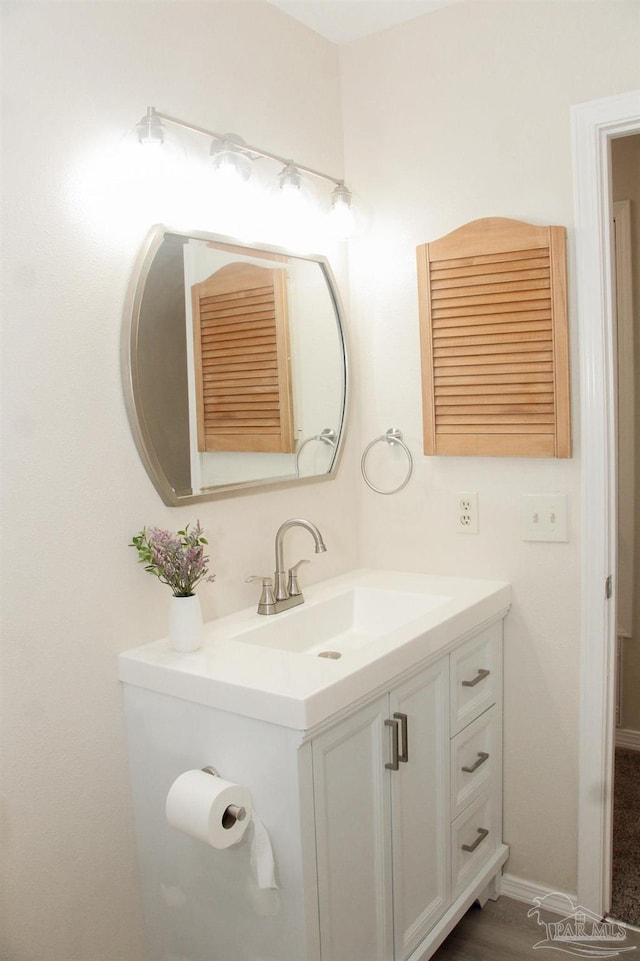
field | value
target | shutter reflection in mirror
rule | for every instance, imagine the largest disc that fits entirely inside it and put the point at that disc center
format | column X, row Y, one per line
column 242, row 362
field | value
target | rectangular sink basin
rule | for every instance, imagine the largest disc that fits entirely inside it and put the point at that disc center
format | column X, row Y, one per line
column 381, row 624
column 346, row 622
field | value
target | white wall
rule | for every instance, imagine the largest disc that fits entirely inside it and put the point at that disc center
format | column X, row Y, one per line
column 76, row 75
column 460, row 115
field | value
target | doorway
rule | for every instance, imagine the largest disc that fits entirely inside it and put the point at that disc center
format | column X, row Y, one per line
column 594, row 126
column 625, row 195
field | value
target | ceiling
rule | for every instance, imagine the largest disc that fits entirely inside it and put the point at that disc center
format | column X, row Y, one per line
column 344, row 20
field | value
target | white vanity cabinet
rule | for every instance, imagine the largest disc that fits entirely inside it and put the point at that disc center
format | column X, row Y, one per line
column 408, row 809
column 382, row 798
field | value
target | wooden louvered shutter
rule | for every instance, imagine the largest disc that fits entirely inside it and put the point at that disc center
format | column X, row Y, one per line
column 241, row 348
column 493, row 325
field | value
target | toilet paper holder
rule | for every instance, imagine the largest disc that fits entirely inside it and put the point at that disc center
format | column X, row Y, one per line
column 233, row 812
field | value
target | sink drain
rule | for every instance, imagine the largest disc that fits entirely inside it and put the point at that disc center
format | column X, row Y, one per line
column 334, row 655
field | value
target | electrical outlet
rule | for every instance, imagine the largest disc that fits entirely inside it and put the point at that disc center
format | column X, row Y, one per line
column 466, row 507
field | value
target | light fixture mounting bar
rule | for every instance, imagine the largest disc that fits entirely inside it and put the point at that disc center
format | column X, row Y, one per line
column 338, row 181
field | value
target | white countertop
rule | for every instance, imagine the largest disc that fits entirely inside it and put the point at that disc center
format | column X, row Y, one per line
column 299, row 690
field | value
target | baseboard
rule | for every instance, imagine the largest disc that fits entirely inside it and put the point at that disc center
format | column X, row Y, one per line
column 628, row 738
column 521, row 890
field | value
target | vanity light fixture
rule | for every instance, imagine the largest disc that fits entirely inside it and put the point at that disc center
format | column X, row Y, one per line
column 342, row 212
column 289, row 177
column 230, row 154
column 341, row 197
column 293, row 202
column 150, row 128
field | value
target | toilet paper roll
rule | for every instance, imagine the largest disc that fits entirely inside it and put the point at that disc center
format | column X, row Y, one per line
column 206, row 807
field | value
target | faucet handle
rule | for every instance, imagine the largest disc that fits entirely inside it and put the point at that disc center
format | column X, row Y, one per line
column 267, row 602
column 293, row 586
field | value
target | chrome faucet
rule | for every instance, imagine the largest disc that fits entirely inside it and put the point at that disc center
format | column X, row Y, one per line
column 287, row 592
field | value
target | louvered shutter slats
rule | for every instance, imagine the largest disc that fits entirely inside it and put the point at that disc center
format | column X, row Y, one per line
column 242, row 360
column 494, row 341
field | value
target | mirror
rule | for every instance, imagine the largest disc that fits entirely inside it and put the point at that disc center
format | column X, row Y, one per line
column 234, row 365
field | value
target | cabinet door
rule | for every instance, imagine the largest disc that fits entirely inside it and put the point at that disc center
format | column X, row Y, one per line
column 351, row 788
column 420, row 807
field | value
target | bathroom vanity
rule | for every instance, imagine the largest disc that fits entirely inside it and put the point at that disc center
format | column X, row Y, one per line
column 377, row 773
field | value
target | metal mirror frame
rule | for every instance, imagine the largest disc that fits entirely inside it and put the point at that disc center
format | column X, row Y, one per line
column 131, row 383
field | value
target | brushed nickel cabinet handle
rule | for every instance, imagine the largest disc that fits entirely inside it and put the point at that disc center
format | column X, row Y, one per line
column 404, row 756
column 482, row 673
column 482, row 834
column 393, row 764
column 482, row 757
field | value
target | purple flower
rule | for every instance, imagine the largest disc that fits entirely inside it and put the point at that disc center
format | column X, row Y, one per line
column 177, row 560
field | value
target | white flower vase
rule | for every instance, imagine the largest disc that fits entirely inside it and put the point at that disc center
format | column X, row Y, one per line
column 185, row 623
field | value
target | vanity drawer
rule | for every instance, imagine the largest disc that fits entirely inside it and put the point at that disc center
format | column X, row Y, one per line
column 475, row 676
column 474, row 838
column 476, row 759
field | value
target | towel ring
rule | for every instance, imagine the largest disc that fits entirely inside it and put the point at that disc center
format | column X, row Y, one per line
column 392, row 436
column 326, row 436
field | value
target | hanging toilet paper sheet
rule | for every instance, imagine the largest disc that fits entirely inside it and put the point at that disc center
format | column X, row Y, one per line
column 262, row 855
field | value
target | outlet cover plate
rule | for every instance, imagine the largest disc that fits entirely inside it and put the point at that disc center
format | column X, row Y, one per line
column 466, row 512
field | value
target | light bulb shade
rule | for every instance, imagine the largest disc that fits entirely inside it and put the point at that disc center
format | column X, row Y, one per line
column 341, row 197
column 150, row 128
column 294, row 214
column 230, row 158
column 289, row 177
column 342, row 214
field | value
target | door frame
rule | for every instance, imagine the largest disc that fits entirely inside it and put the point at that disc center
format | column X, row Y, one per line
column 594, row 125
column 625, row 367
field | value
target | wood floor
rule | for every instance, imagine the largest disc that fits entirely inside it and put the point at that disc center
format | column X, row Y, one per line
column 501, row 931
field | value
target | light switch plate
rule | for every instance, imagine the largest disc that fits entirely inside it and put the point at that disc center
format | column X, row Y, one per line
column 544, row 517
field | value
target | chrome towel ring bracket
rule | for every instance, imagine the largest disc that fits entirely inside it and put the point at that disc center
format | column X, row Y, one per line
column 392, row 436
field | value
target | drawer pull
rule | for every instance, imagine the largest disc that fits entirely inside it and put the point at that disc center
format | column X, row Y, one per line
column 393, row 764
column 482, row 834
column 482, row 673
column 482, row 757
column 404, row 756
